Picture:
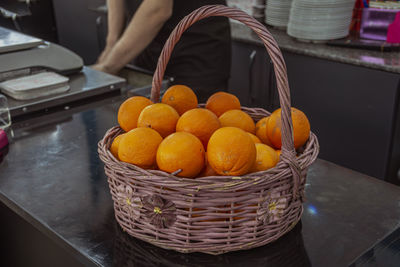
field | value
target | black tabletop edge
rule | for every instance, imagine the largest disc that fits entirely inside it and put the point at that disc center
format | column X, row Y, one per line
column 362, row 258
column 86, row 260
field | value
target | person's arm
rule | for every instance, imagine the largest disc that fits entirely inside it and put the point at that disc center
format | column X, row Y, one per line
column 116, row 20
column 144, row 26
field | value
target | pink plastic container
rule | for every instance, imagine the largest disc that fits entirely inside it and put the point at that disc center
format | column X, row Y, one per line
column 3, row 141
column 375, row 23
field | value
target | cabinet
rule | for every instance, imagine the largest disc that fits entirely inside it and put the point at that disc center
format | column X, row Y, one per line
column 251, row 75
column 24, row 244
column 34, row 18
column 81, row 27
column 353, row 110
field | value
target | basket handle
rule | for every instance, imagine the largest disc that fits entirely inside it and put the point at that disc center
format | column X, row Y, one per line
column 288, row 152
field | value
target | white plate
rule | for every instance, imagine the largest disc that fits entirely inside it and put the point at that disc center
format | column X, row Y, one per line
column 277, row 21
column 320, row 20
column 323, row 3
column 321, row 11
column 320, row 31
column 310, row 27
column 319, row 38
column 316, row 34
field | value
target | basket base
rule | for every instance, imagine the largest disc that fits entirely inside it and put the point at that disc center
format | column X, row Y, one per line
column 210, row 249
column 287, row 251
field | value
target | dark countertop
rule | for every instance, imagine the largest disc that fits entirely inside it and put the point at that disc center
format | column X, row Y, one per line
column 52, row 177
column 386, row 61
column 385, row 251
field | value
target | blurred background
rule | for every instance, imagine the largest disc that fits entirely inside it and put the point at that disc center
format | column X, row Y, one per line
column 81, row 25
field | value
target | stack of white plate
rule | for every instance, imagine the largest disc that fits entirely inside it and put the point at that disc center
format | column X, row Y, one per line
column 258, row 8
column 320, row 20
column 243, row 5
column 277, row 13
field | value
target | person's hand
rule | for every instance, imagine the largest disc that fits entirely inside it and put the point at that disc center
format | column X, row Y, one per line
column 103, row 55
column 106, row 61
column 111, row 41
column 98, row 66
column 103, row 67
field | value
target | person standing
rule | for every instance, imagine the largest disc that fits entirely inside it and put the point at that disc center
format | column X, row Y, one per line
column 200, row 60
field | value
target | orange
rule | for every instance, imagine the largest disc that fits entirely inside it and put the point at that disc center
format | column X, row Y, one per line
column 231, row 151
column 256, row 140
column 266, row 158
column 129, row 111
column 239, row 119
column 139, row 146
column 160, row 117
column 200, row 122
column 115, row 145
column 279, row 153
column 207, row 170
column 181, row 151
column 301, row 128
column 181, row 98
column 221, row 102
column 261, row 131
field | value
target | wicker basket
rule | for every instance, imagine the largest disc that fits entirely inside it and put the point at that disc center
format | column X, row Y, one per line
column 214, row 214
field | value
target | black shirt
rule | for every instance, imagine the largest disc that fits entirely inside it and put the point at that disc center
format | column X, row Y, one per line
column 201, row 58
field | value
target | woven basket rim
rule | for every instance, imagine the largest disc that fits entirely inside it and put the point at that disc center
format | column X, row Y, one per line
column 310, row 153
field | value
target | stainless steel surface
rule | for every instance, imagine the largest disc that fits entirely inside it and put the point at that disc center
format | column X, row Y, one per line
column 15, row 8
column 85, row 84
column 14, row 41
column 136, row 77
column 5, row 118
column 46, row 56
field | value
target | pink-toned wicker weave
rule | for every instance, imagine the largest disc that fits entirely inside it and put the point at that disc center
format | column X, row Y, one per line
column 214, row 214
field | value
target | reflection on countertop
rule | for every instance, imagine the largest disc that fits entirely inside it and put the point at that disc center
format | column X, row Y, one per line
column 289, row 250
column 386, row 61
column 385, row 253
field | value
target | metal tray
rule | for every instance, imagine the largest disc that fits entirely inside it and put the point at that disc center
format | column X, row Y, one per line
column 85, row 84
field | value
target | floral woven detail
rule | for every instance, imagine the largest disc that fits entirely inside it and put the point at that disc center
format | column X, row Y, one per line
column 272, row 208
column 128, row 202
column 158, row 211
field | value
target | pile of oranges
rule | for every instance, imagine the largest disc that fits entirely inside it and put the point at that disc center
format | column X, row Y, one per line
column 177, row 137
